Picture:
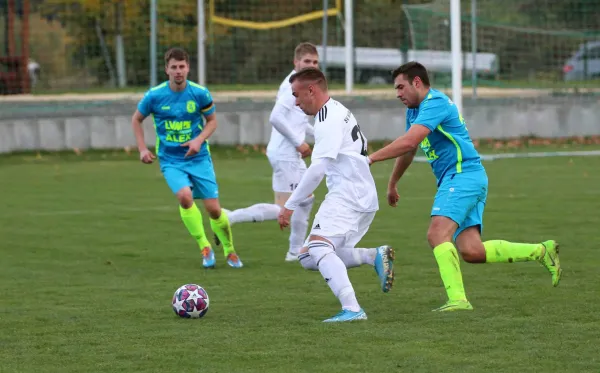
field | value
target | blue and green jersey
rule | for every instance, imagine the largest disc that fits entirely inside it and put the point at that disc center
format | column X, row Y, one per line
column 178, row 117
column 448, row 147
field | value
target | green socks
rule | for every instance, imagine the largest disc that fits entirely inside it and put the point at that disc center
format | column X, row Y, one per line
column 222, row 229
column 496, row 251
column 192, row 218
column 447, row 259
column 499, row 251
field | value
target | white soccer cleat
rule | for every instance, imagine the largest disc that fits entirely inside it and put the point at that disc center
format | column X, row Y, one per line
column 289, row 257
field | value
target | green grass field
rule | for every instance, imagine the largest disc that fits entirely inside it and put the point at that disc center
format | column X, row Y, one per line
column 92, row 251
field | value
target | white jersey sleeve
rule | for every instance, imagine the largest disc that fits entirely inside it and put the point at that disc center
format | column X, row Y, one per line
column 310, row 181
column 289, row 125
column 279, row 120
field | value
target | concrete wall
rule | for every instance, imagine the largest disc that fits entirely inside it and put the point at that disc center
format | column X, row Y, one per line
column 56, row 126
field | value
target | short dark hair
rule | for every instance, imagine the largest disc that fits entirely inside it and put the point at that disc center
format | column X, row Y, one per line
column 177, row 54
column 310, row 74
column 303, row 49
column 412, row 70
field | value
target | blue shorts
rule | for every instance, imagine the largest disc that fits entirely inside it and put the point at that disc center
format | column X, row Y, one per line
column 197, row 173
column 461, row 197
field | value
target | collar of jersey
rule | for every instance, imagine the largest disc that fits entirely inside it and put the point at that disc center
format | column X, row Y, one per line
column 325, row 104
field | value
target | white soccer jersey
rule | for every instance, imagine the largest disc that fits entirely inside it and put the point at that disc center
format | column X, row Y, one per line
column 349, row 179
column 291, row 120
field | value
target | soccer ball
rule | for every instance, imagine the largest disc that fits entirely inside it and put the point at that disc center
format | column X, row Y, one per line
column 190, row 301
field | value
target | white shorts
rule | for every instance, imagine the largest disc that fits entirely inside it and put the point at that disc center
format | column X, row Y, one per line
column 340, row 225
column 287, row 174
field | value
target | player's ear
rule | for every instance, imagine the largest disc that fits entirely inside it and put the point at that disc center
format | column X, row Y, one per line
column 417, row 82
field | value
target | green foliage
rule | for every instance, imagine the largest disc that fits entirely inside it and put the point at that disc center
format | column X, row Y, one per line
column 530, row 44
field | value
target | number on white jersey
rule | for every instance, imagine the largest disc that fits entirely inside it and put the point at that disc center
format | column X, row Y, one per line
column 356, row 133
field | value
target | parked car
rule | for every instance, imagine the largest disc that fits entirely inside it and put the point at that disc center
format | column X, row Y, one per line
column 575, row 68
column 373, row 65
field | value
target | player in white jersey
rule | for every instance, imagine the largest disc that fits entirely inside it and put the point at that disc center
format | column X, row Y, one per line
column 286, row 150
column 340, row 154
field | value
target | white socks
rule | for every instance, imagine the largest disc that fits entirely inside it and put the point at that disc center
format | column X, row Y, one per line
column 351, row 257
column 357, row 256
column 335, row 273
column 255, row 213
column 299, row 225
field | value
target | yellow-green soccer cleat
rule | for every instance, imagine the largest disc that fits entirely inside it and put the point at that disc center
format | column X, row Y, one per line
column 455, row 305
column 551, row 261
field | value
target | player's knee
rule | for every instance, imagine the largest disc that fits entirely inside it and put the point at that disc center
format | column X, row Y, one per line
column 306, row 260
column 473, row 256
column 472, row 251
column 470, row 246
column 318, row 248
column 440, row 230
column 436, row 237
column 185, row 197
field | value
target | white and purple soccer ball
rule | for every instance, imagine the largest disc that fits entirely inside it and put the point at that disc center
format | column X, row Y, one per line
column 190, row 301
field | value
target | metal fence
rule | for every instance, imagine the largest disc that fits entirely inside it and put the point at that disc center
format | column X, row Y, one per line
column 91, row 45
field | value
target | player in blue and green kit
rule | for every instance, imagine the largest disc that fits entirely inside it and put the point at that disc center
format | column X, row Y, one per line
column 434, row 123
column 184, row 118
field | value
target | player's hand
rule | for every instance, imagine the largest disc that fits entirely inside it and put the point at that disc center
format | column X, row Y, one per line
column 392, row 195
column 284, row 217
column 194, row 147
column 146, row 156
column 304, row 150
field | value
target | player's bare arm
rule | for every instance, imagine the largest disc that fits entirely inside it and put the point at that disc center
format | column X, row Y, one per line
column 146, row 155
column 409, row 142
column 196, row 143
column 400, row 167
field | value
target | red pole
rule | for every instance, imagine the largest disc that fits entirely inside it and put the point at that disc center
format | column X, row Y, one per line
column 12, row 86
column 11, row 23
column 25, row 80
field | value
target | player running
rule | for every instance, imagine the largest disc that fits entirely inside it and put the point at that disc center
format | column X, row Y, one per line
column 351, row 202
column 434, row 123
column 178, row 107
column 285, row 151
